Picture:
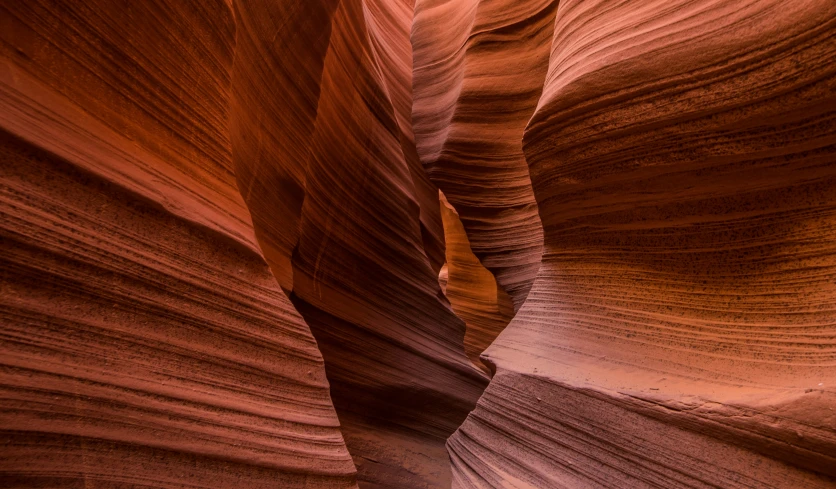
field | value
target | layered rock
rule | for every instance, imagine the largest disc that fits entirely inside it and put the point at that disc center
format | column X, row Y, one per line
column 389, row 24
column 120, row 115
column 472, row 290
column 145, row 342
column 680, row 330
column 671, row 161
column 364, row 266
column 479, row 70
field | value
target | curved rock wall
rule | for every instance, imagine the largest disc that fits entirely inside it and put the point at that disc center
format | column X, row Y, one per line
column 479, row 69
column 365, row 265
column 270, row 134
column 144, row 341
column 389, row 23
column 140, row 98
column 680, row 330
column 221, row 244
column 472, row 290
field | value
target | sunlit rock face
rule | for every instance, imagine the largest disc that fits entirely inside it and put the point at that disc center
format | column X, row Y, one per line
column 225, row 262
column 479, row 70
column 472, row 290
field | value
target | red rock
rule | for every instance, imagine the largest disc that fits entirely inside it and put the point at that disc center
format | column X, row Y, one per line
column 680, row 330
column 472, row 290
column 223, row 257
column 145, row 342
column 271, row 135
column 365, row 266
column 479, row 70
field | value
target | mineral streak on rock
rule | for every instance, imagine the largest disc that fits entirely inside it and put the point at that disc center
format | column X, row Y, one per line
column 479, row 70
column 393, row 348
column 680, row 332
column 472, row 290
column 145, row 342
column 389, row 23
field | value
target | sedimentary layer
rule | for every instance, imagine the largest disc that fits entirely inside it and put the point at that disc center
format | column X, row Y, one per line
column 362, row 265
column 145, row 342
column 680, row 330
column 479, row 70
column 223, row 258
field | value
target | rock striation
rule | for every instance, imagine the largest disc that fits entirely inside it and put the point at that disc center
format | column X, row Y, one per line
column 680, row 330
column 145, row 342
column 365, row 246
column 140, row 141
column 479, row 70
column 472, row 290
column 225, row 260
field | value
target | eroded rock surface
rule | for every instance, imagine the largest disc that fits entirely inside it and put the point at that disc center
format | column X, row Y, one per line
column 224, row 262
column 364, row 264
column 479, row 70
column 680, row 330
column 145, row 342
column 472, row 289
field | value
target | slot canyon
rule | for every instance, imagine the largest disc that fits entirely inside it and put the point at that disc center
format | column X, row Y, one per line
column 428, row 244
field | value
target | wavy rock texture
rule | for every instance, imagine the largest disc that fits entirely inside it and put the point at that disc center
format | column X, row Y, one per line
column 479, row 69
column 363, row 270
column 144, row 341
column 389, row 23
column 680, row 332
column 221, row 254
column 272, row 136
column 472, row 290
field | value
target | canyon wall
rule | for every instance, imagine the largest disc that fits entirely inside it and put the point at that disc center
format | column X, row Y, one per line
column 142, row 322
column 145, row 342
column 361, row 245
column 479, row 70
column 226, row 261
column 680, row 331
column 476, row 298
